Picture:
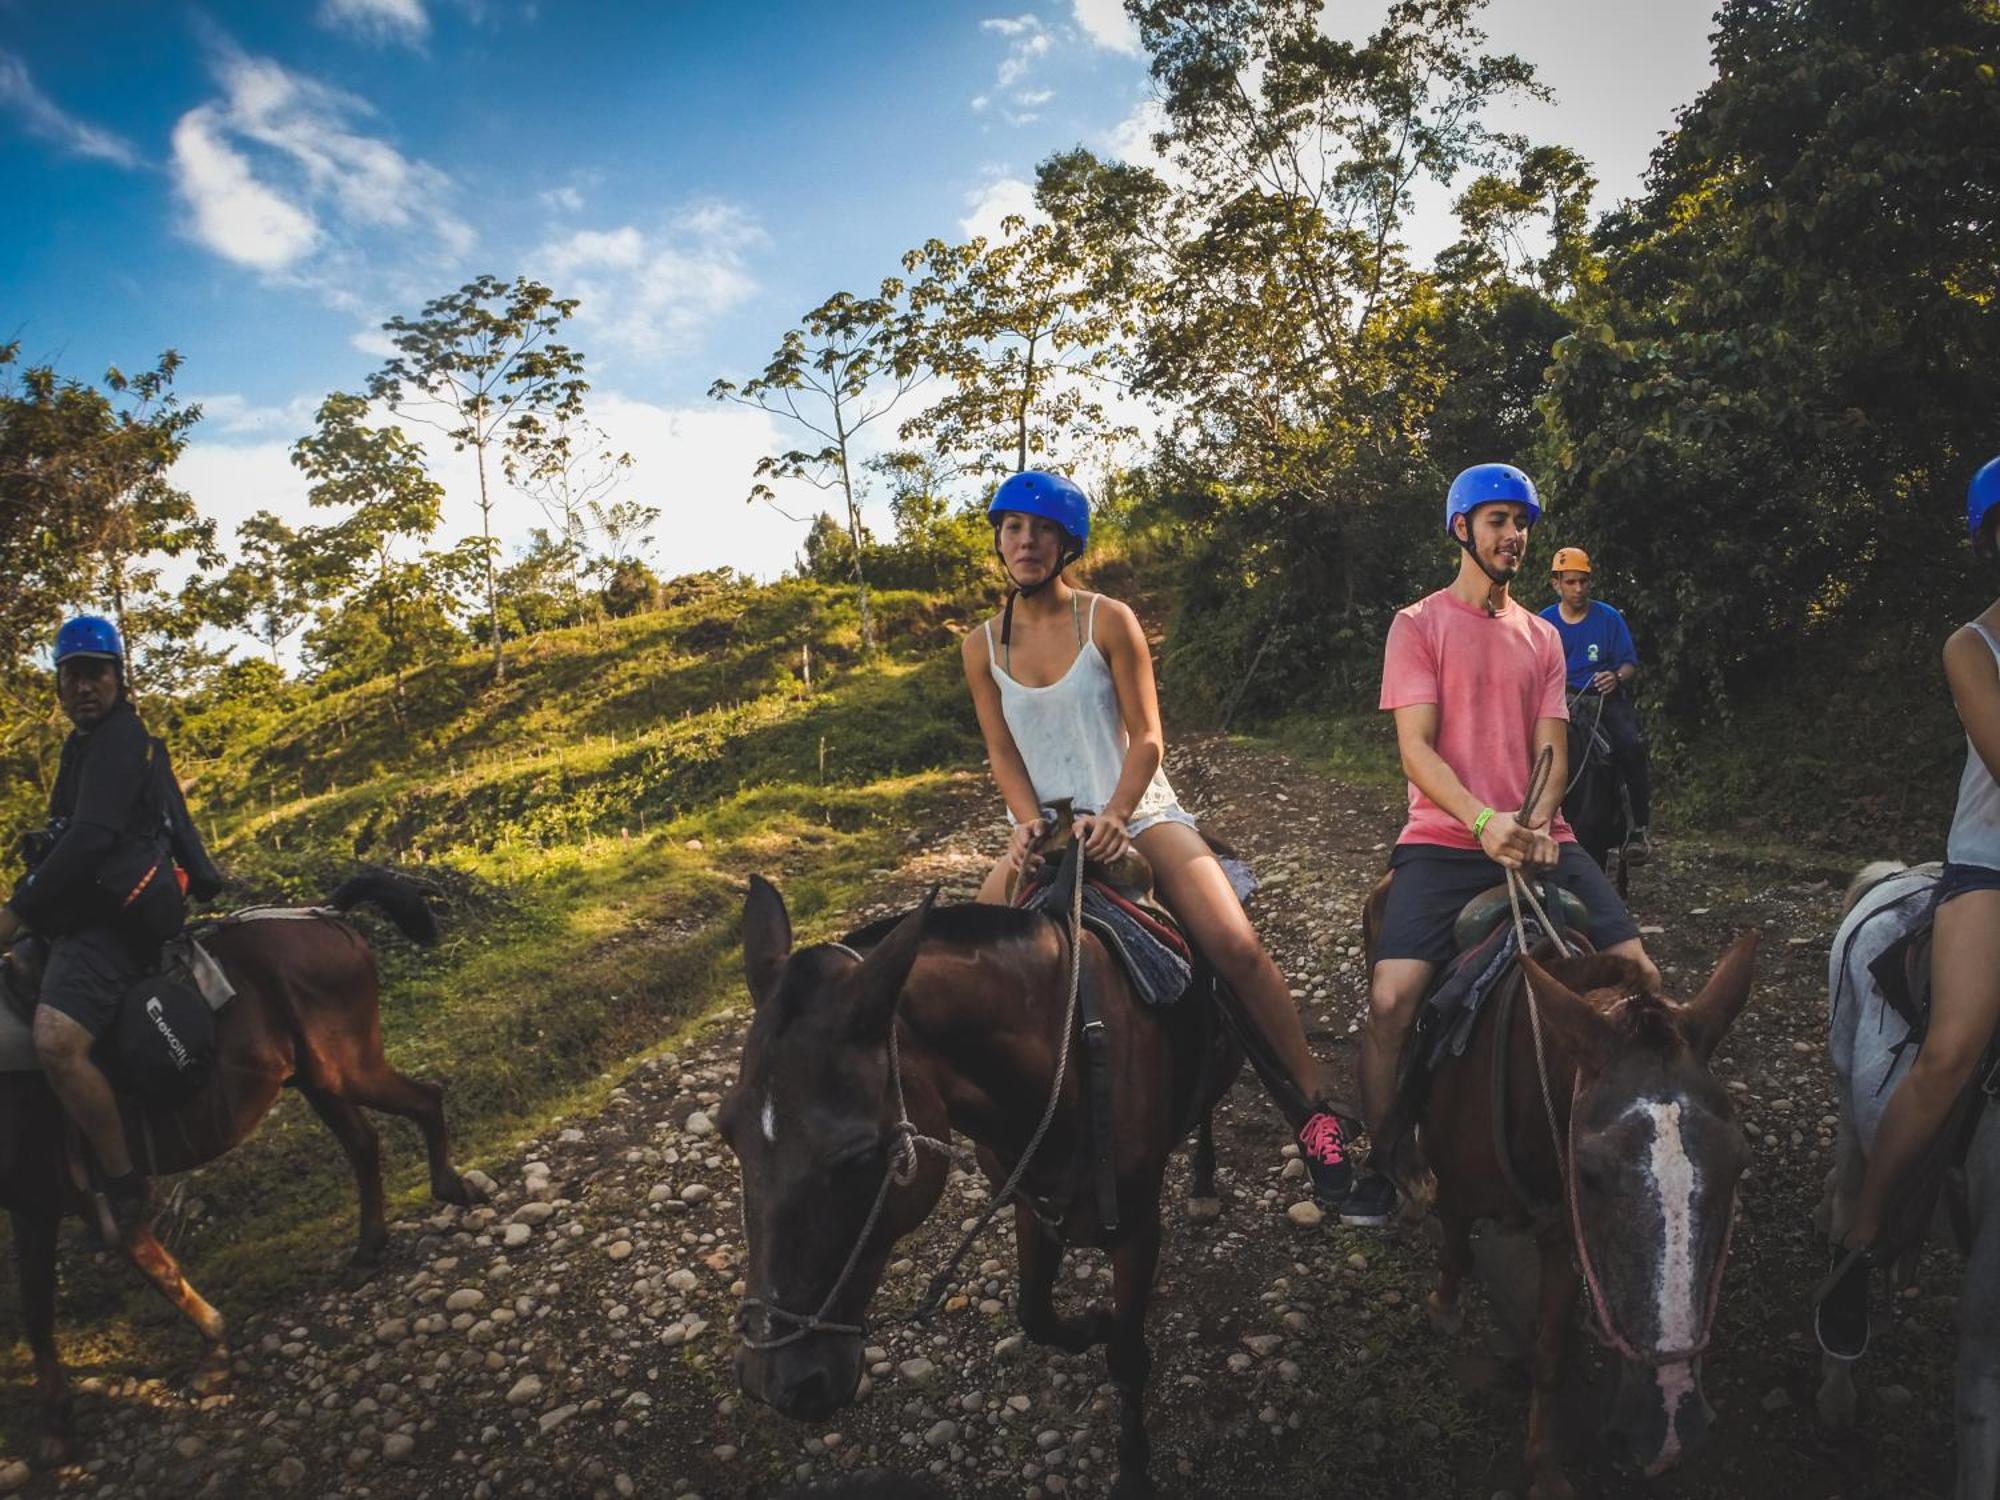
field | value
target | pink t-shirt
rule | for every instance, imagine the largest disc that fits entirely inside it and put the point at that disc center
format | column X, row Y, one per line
column 1491, row 677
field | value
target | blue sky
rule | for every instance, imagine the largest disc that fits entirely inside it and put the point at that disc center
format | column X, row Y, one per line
column 257, row 186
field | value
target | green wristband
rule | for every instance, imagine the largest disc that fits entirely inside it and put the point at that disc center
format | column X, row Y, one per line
column 1479, row 823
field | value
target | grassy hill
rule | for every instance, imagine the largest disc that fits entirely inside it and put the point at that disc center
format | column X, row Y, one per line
column 588, row 825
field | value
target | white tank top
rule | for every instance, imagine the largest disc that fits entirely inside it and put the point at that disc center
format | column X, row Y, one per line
column 1071, row 734
column 1975, row 826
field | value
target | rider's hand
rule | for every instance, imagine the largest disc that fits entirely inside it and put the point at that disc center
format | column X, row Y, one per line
column 1546, row 853
column 1605, row 682
column 1507, row 840
column 1022, row 842
column 1103, row 835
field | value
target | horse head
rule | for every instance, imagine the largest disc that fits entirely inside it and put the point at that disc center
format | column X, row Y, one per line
column 1654, row 1156
column 830, row 1177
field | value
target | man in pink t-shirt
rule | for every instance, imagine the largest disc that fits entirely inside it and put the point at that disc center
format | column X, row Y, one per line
column 1476, row 684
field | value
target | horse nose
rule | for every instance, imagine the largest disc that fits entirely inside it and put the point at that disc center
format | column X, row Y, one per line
column 806, row 1393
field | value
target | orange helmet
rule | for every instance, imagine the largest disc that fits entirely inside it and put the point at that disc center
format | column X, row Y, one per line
column 1571, row 560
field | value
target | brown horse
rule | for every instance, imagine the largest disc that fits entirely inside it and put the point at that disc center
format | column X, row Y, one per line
column 1625, row 1167
column 306, row 1013
column 862, row 1058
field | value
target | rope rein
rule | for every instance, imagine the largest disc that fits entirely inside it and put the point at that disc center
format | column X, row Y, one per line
column 1564, row 1142
column 902, row 1171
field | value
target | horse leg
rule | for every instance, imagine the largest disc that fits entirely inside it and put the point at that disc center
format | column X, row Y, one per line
column 1454, row 1264
column 158, row 1266
column 1133, row 1263
column 1041, row 1255
column 1203, row 1206
column 35, row 1258
column 382, row 1087
column 1838, row 1400
column 364, row 1153
column 1558, row 1297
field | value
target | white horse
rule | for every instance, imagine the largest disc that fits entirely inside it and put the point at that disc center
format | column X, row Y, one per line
column 1884, row 901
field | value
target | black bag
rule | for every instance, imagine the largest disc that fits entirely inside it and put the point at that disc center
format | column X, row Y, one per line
column 162, row 1046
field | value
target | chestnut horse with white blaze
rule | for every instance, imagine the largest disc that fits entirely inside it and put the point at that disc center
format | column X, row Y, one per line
column 1616, row 1146
column 306, row 1014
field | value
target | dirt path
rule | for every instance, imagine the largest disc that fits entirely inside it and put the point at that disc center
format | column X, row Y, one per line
column 573, row 1338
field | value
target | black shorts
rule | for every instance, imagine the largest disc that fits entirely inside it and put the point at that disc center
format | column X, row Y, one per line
column 1958, row 879
column 1433, row 884
column 88, row 973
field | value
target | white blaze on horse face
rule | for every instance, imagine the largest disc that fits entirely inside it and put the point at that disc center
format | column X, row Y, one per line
column 1674, row 1179
column 769, row 1120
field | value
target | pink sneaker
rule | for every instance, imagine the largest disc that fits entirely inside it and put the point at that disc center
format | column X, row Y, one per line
column 1323, row 1145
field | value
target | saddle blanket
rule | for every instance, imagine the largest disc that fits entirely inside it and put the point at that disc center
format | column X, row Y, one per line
column 183, row 956
column 1158, row 972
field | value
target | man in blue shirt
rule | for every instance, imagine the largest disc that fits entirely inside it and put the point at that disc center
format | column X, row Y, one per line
column 1602, row 660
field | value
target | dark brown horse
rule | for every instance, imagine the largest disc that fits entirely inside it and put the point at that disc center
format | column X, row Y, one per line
column 1629, row 1190
column 951, row 1020
column 305, row 1014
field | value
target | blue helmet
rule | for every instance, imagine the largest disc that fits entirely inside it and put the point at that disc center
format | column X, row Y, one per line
column 1484, row 484
column 89, row 635
column 1981, row 496
column 1034, row 492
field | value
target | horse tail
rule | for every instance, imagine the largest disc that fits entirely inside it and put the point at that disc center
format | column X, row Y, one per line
column 400, row 898
column 1869, row 875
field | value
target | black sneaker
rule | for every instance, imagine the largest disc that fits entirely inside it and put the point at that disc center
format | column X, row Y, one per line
column 1840, row 1311
column 1372, row 1203
column 1323, row 1146
column 1638, row 847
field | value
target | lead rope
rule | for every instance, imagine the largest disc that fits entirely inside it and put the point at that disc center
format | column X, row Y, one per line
column 902, row 1171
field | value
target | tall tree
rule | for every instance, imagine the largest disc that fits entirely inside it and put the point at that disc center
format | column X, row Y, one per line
column 270, row 589
column 570, row 473
column 846, row 366
column 1024, row 342
column 482, row 366
column 1792, row 367
column 378, row 475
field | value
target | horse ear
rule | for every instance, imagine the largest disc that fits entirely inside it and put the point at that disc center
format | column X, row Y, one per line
column 883, row 972
column 767, row 938
column 1576, row 1026
column 1706, row 1019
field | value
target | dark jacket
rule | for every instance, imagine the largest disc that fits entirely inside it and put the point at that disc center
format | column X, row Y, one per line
column 120, row 827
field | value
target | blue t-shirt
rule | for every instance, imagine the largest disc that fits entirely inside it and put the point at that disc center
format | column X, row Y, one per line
column 1599, row 642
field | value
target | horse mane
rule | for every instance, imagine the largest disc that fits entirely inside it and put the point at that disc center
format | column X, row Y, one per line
column 964, row 923
column 1643, row 1019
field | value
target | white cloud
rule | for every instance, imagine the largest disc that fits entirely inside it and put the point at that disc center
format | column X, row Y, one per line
column 565, row 199
column 233, row 415
column 1131, row 139
column 987, row 206
column 653, row 292
column 379, row 21
column 41, row 116
column 1106, row 24
column 373, row 341
column 235, row 215
column 275, row 172
column 1027, row 40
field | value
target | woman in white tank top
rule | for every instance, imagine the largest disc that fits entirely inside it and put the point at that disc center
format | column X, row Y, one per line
column 1063, row 684
column 1965, row 948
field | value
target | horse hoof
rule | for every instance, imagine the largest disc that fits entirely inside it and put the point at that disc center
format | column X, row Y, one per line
column 1132, row 1487
column 53, row 1451
column 1446, row 1320
column 213, row 1374
column 456, row 1191
column 1552, row 1487
column 1204, row 1210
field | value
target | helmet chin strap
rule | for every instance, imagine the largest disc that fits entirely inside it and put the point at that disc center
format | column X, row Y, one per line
column 1498, row 580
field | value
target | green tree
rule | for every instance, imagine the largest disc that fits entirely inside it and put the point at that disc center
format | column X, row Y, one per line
column 570, row 473
column 1024, row 341
column 1774, row 400
column 269, row 591
column 378, row 475
column 846, row 366
column 482, row 366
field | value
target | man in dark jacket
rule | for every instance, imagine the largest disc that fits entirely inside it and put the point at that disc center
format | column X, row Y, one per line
column 103, row 888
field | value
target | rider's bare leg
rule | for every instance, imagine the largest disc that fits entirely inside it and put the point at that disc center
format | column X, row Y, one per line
column 993, row 889
column 1191, row 882
column 63, row 1049
column 1965, row 1007
column 1395, row 990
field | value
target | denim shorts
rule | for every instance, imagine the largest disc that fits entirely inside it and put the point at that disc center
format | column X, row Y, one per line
column 1958, row 879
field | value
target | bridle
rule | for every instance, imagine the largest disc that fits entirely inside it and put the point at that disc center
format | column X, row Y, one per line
column 902, row 1171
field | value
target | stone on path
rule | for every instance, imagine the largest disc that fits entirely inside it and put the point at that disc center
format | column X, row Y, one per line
column 525, row 1389
column 1305, row 1213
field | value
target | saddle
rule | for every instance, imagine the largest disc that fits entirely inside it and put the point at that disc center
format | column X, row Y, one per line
column 183, row 960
